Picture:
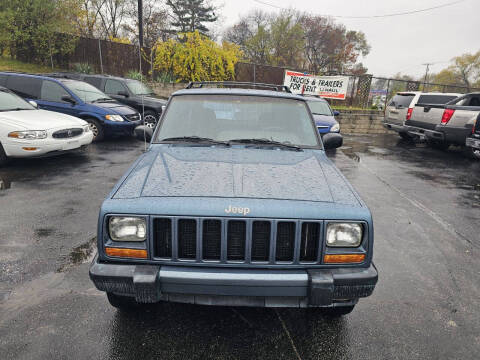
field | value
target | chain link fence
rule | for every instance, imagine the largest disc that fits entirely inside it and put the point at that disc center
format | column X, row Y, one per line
column 364, row 91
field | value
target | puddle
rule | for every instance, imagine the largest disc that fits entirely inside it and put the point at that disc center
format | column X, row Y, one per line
column 44, row 232
column 81, row 254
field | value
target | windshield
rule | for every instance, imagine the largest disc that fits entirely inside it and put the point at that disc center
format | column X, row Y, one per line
column 320, row 108
column 138, row 88
column 402, row 100
column 11, row 102
column 86, row 92
column 229, row 117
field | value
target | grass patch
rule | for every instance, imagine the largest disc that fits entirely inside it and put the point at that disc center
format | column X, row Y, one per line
column 8, row 64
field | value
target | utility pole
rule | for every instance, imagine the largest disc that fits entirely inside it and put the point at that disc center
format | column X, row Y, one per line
column 426, row 74
column 140, row 22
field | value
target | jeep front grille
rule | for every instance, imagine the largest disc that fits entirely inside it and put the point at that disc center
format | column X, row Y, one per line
column 236, row 240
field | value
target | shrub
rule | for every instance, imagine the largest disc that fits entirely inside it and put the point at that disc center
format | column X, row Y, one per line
column 165, row 77
column 135, row 75
column 83, row 68
column 196, row 58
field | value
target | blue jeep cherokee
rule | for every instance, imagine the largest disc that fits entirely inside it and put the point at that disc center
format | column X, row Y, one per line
column 235, row 203
column 105, row 115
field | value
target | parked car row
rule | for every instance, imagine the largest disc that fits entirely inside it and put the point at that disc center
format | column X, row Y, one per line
column 84, row 108
column 442, row 119
column 130, row 92
column 26, row 131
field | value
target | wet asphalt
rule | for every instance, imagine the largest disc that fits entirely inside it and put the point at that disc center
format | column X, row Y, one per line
column 426, row 208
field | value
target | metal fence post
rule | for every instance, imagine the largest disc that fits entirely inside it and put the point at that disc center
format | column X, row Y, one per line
column 254, row 73
column 100, row 54
column 386, row 95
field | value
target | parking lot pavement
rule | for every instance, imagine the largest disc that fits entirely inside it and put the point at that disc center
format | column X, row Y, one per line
column 426, row 208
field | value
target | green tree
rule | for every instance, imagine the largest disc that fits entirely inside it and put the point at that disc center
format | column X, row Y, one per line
column 464, row 71
column 287, row 40
column 191, row 15
column 36, row 30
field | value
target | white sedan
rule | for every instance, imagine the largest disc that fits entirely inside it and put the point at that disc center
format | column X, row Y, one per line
column 26, row 131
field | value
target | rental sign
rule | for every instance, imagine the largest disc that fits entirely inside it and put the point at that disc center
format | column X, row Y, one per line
column 332, row 87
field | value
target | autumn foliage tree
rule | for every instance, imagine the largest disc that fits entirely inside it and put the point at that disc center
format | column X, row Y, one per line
column 194, row 57
column 299, row 40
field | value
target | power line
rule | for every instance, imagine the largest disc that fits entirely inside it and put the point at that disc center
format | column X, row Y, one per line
column 372, row 16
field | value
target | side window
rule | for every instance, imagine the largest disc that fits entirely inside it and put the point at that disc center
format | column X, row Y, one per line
column 3, row 80
column 474, row 101
column 112, row 87
column 95, row 81
column 24, row 86
column 51, row 91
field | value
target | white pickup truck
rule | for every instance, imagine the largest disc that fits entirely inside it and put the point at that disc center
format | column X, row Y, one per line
column 443, row 125
column 400, row 108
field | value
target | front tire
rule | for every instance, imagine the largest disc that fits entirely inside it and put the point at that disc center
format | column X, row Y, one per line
column 123, row 303
column 150, row 118
column 97, row 129
column 3, row 156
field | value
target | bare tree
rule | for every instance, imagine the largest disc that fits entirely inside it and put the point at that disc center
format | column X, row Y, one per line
column 112, row 14
column 155, row 22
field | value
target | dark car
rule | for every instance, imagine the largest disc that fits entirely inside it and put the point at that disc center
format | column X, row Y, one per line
column 323, row 115
column 235, row 203
column 130, row 92
column 105, row 115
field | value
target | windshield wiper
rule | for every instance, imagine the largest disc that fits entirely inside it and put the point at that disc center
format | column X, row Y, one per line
column 196, row 139
column 266, row 142
column 103, row 100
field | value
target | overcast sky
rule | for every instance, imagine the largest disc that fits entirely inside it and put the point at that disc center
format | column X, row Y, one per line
column 400, row 43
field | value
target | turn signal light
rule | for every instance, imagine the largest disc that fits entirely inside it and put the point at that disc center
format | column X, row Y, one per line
column 29, row 148
column 447, row 115
column 343, row 258
column 126, row 253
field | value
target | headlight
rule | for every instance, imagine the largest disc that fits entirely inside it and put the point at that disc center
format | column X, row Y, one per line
column 29, row 134
column 127, row 228
column 114, row 117
column 335, row 128
column 86, row 128
column 344, row 234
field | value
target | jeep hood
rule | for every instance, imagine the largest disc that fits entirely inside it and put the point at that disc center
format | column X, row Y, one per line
column 235, row 172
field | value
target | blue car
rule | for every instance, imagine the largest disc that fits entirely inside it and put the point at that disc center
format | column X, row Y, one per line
column 323, row 115
column 235, row 203
column 105, row 116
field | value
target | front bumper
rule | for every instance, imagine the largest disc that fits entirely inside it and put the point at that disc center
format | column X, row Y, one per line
column 121, row 127
column 235, row 287
column 45, row 147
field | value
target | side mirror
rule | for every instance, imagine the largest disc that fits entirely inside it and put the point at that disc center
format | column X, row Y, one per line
column 33, row 103
column 143, row 133
column 336, row 113
column 69, row 99
column 123, row 93
column 332, row 141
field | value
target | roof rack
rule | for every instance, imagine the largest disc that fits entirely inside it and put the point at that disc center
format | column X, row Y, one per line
column 232, row 84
